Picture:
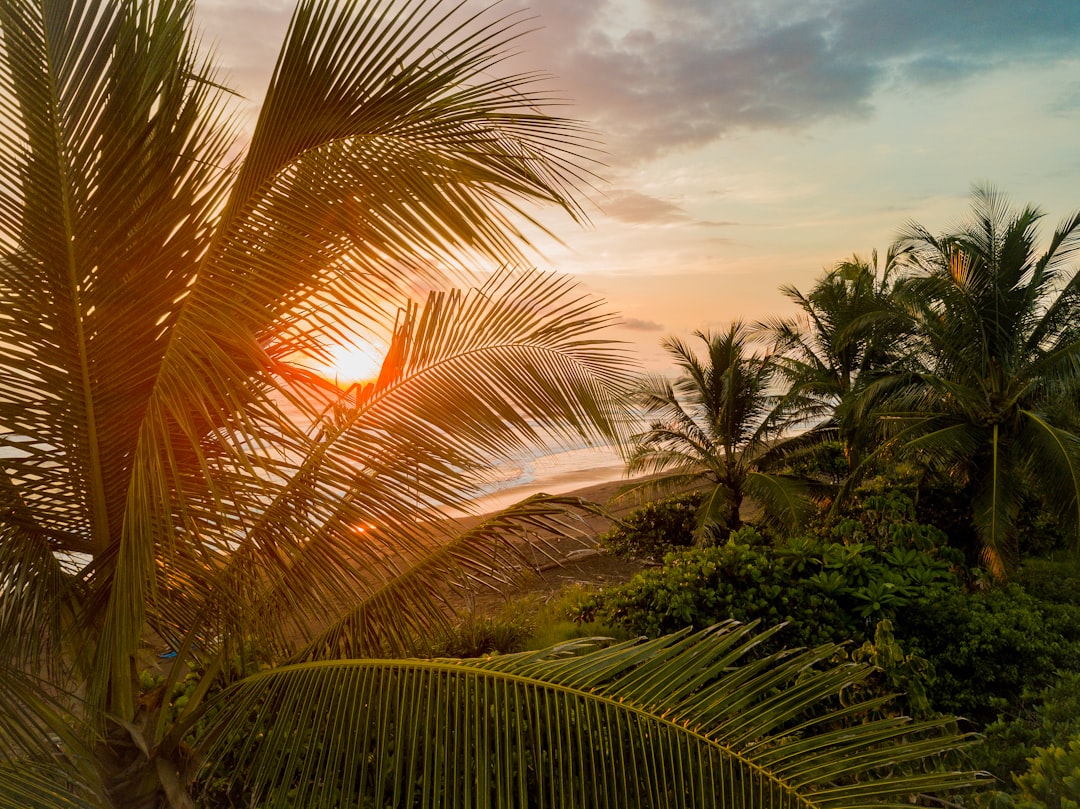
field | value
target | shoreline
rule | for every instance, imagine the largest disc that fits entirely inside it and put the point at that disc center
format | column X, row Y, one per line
column 565, row 471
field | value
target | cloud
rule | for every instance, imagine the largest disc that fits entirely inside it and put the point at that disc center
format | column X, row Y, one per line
column 637, row 324
column 636, row 208
column 1067, row 103
column 661, row 75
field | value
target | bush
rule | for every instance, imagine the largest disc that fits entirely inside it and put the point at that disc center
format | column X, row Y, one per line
column 1050, row 717
column 992, row 651
column 825, row 461
column 827, row 591
column 479, row 635
column 1051, row 780
column 656, row 528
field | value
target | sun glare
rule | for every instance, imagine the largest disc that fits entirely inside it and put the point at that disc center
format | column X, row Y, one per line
column 357, row 362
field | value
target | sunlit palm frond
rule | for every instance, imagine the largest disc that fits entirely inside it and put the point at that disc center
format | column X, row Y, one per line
column 691, row 720
column 394, row 617
column 389, row 138
column 470, row 377
column 112, row 181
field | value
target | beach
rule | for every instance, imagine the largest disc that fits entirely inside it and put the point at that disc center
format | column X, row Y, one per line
column 593, row 473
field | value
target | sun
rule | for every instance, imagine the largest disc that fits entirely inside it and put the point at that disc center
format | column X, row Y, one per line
column 352, row 363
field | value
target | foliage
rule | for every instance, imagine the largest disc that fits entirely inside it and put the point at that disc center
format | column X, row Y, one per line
column 1036, row 720
column 172, row 472
column 656, row 528
column 1053, row 779
column 842, row 337
column 987, row 392
column 1035, row 707
column 991, row 649
column 827, row 590
column 820, row 460
column 554, row 619
column 735, row 726
column 898, row 671
column 478, row 635
column 713, row 427
column 1050, row 781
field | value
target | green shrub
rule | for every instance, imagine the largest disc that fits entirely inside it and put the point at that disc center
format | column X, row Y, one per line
column 1052, row 582
column 1050, row 717
column 825, row 461
column 1053, row 780
column 479, row 635
column 827, row 591
column 656, row 528
column 989, row 650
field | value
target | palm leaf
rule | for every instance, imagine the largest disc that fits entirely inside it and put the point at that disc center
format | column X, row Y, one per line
column 45, row 759
column 785, row 498
column 469, row 378
column 395, row 616
column 687, row 720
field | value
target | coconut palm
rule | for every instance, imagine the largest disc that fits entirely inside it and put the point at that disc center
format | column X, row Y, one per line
column 713, row 427
column 173, row 477
column 844, row 334
column 996, row 365
column 170, row 476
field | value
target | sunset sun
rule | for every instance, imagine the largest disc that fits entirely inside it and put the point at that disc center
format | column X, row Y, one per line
column 354, row 362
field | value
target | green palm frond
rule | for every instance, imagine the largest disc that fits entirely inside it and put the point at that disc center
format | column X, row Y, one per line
column 1053, row 457
column 45, row 756
column 688, row 720
column 26, row 786
column 785, row 499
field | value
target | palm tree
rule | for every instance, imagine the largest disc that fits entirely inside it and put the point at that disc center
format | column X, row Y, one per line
column 996, row 362
column 714, row 426
column 844, row 334
column 173, row 476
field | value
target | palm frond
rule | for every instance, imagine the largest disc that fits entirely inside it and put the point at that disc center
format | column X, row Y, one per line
column 1054, row 458
column 501, row 550
column 389, row 139
column 786, row 499
column 45, row 756
column 688, row 720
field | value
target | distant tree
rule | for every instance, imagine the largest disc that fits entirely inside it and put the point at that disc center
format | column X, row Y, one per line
column 989, row 396
column 844, row 334
column 713, row 427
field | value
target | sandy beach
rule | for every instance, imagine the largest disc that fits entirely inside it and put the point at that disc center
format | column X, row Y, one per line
column 592, row 473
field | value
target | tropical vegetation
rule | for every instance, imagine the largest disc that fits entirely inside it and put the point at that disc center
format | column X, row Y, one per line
column 841, row 337
column 712, row 428
column 988, row 393
column 177, row 482
column 931, row 407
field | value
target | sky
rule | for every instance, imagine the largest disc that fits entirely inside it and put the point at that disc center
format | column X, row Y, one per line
column 751, row 143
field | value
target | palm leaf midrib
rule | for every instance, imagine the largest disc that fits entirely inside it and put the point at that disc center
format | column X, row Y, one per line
column 668, row 719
